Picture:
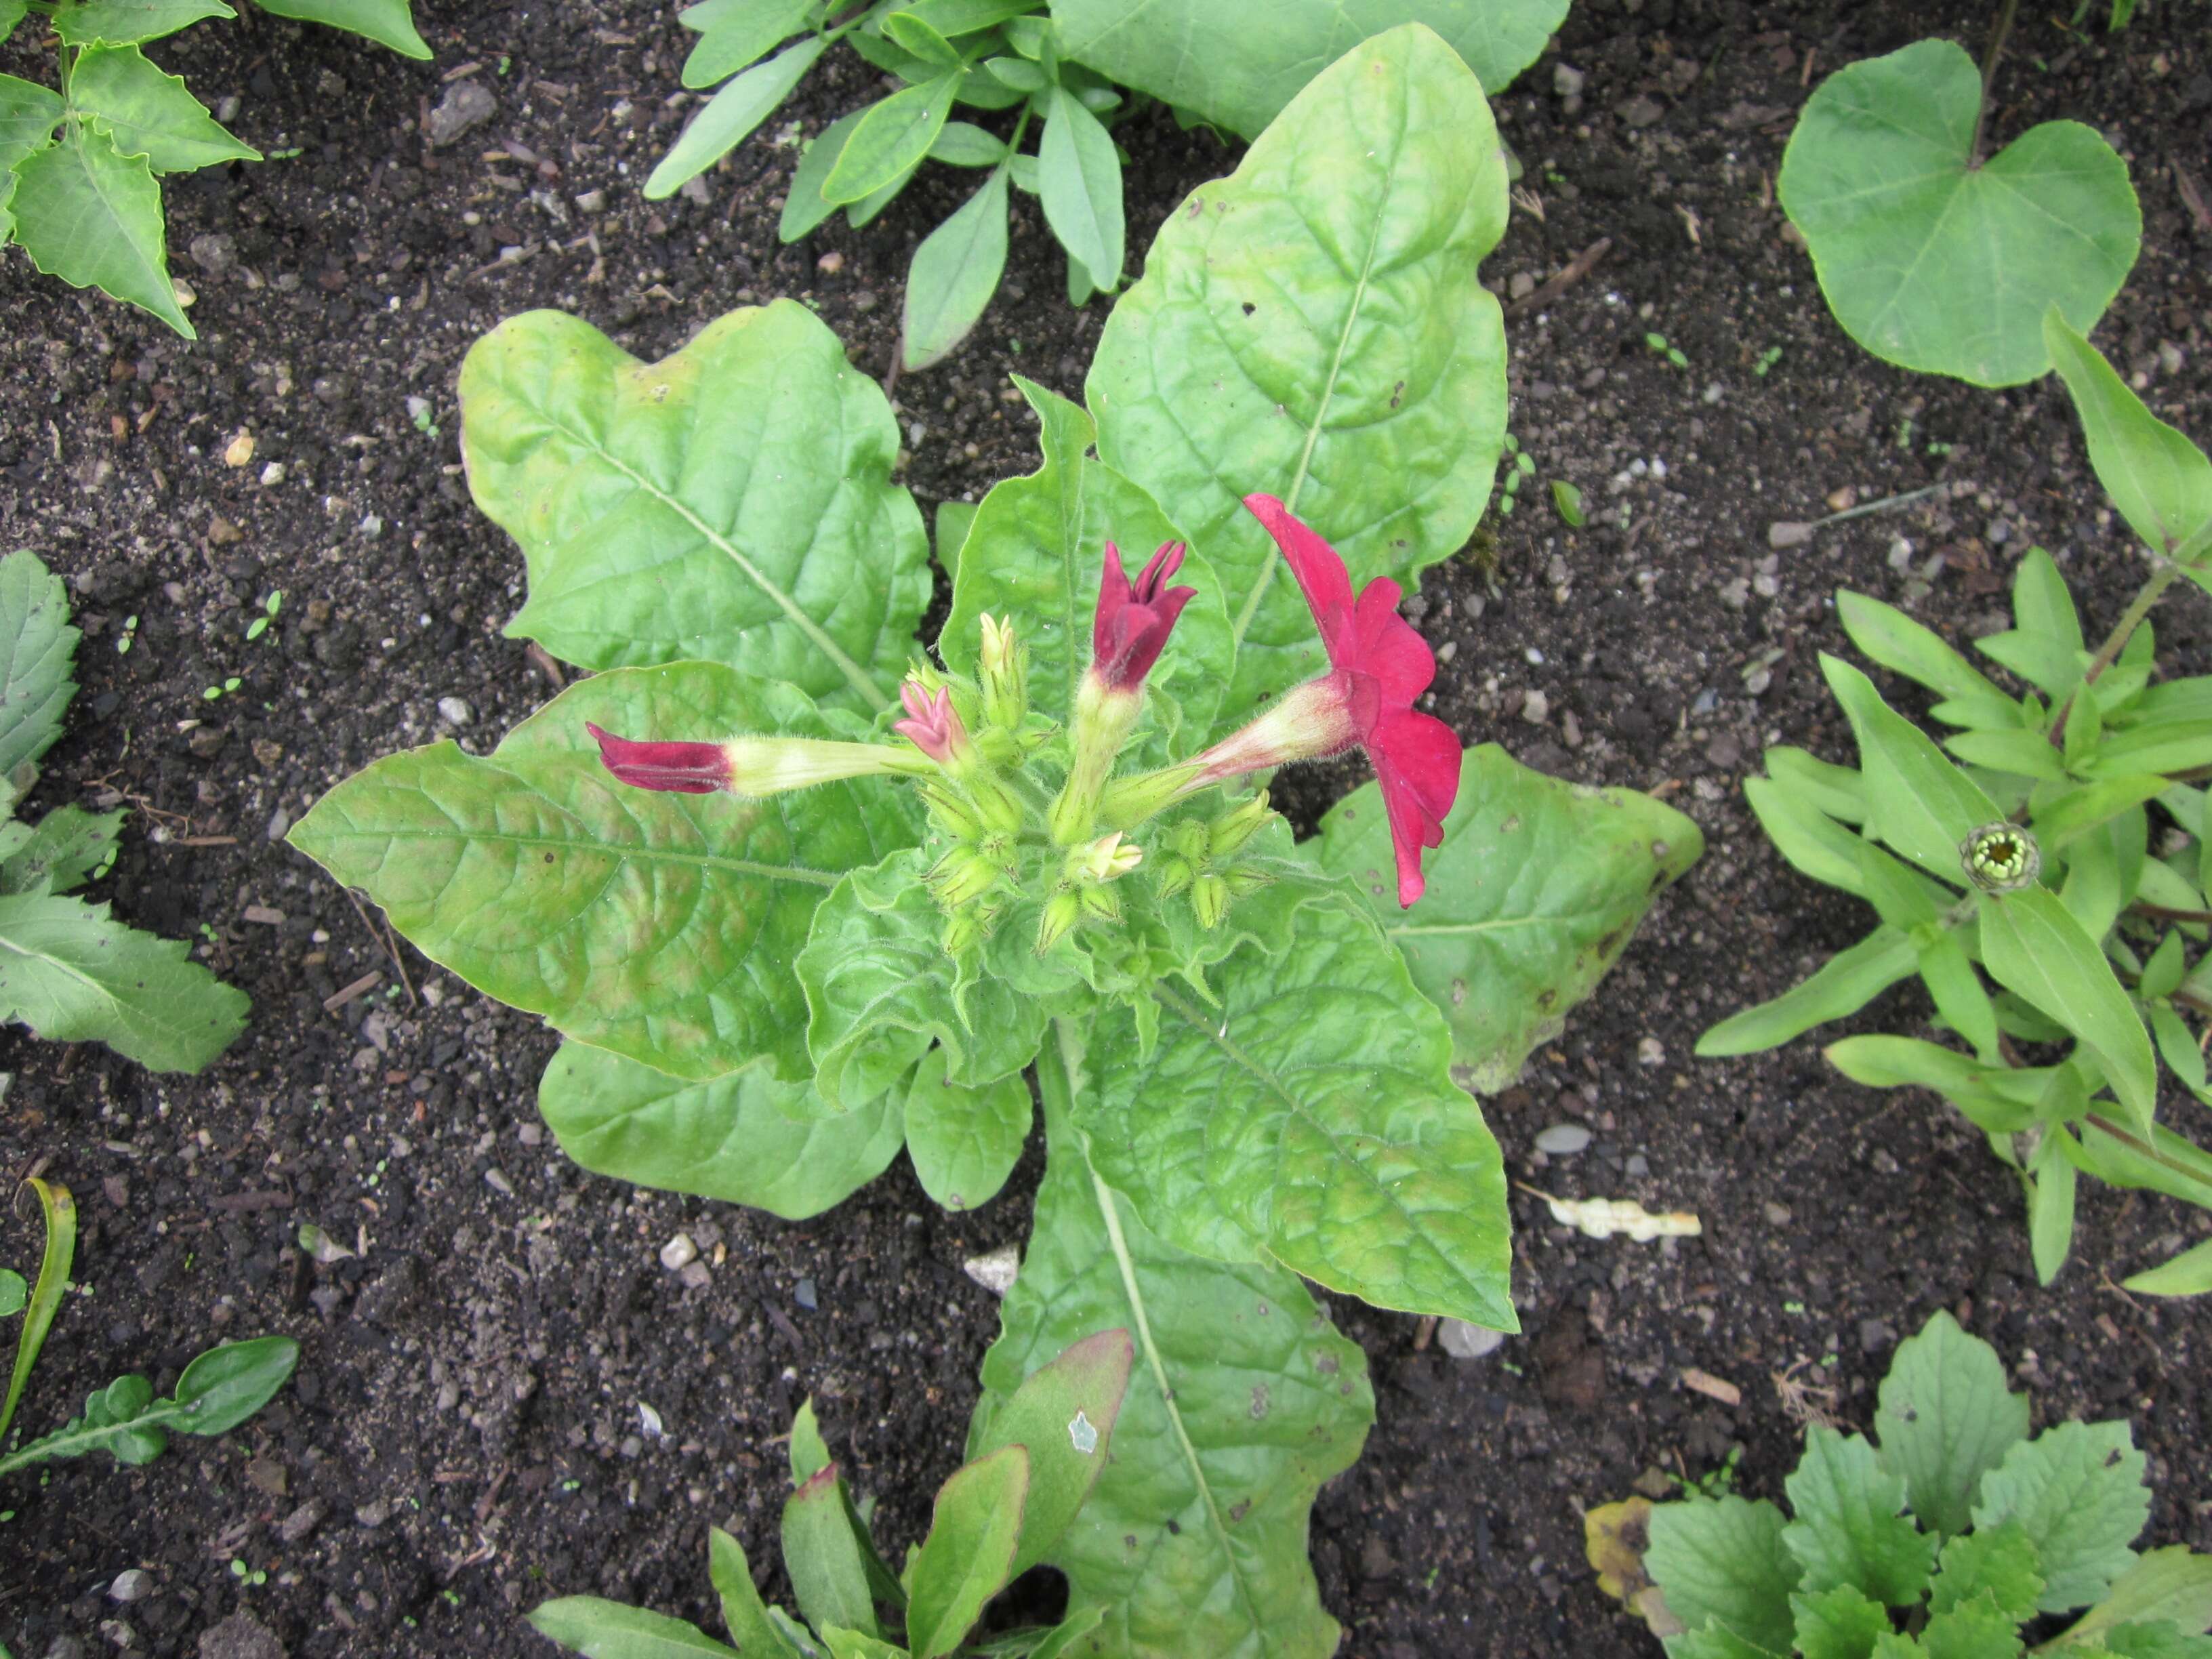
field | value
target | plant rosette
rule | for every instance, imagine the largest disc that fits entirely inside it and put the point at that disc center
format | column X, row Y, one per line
column 794, row 913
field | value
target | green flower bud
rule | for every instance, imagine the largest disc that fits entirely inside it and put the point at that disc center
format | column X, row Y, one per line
column 1243, row 881
column 996, row 805
column 1100, row 902
column 1062, row 912
column 963, row 933
column 1209, row 901
column 1191, row 841
column 962, row 876
column 954, row 816
column 1173, row 874
column 1227, row 834
column 1005, row 664
column 2001, row 858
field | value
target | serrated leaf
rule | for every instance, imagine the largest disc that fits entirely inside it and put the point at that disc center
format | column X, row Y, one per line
column 38, row 649
column 1537, row 889
column 1839, row 1623
column 891, row 139
column 1999, row 1564
column 69, row 845
column 73, row 974
column 734, row 33
column 1722, row 1561
column 658, row 926
column 1033, row 555
column 1844, row 984
column 2161, row 481
column 600, row 1628
column 744, row 1139
column 93, row 218
column 2032, row 945
column 29, row 114
column 879, row 988
column 2077, row 1492
column 1973, row 1629
column 1209, row 60
column 727, row 118
column 731, row 503
column 1309, row 1118
column 1945, row 1418
column 1079, row 187
column 968, row 1557
column 953, row 275
column 1849, row 1528
column 129, row 23
column 1244, row 1401
column 2171, row 1585
column 147, row 112
column 1334, row 347
column 1931, row 259
column 964, row 1142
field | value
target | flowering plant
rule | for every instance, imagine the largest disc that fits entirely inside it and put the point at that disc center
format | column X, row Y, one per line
column 794, row 914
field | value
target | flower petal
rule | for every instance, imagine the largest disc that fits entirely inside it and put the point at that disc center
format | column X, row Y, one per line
column 1417, row 762
column 1319, row 572
column 684, row 769
column 1389, row 647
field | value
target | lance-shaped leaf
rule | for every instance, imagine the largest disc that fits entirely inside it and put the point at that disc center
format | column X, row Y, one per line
column 660, row 926
column 38, row 645
column 1209, row 60
column 73, row 974
column 953, row 275
column 969, row 1556
column 964, row 1141
column 731, row 503
column 745, row 1138
column 730, row 116
column 2034, row 947
column 388, row 22
column 600, row 1628
column 825, row 1555
column 1932, row 259
column 1309, row 1118
column 733, row 33
column 1244, row 1399
column 877, row 980
column 126, row 23
column 2161, row 481
column 1535, row 891
column 150, row 113
column 1314, row 326
column 1064, row 1415
column 92, row 217
column 1033, row 554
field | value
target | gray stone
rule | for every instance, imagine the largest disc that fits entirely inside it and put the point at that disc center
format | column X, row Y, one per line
column 1642, row 111
column 135, row 1585
column 1464, row 1341
column 241, row 1636
column 1567, row 82
column 1563, row 1140
column 467, row 106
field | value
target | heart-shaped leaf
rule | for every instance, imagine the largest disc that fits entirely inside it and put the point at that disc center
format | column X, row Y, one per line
column 1929, row 259
column 1313, row 325
column 660, row 926
column 1532, row 897
column 731, row 503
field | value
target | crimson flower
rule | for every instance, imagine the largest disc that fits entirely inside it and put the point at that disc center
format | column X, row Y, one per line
column 686, row 769
column 932, row 722
column 1133, row 624
column 1377, row 665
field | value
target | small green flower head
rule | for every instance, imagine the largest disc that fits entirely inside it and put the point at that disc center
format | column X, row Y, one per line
column 2001, row 858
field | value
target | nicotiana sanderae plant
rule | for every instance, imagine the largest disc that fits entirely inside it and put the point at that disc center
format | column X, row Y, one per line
column 797, row 895
column 68, row 969
column 1029, row 1468
column 214, row 1394
column 1933, row 253
column 81, row 161
column 1062, row 74
column 2045, row 878
column 1953, row 1534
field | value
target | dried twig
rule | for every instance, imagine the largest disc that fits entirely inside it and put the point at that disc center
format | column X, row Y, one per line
column 1577, row 267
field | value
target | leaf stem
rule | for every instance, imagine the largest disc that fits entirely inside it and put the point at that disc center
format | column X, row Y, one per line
column 2116, row 642
column 2168, row 912
column 1998, row 38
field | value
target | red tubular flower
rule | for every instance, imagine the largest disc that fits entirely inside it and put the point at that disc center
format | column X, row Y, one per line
column 1133, row 624
column 1378, row 665
column 748, row 765
column 687, row 769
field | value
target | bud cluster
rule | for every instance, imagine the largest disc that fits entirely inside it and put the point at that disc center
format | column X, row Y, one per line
column 1199, row 856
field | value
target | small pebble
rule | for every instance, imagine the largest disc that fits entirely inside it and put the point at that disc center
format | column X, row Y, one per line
column 1464, row 1341
column 135, row 1585
column 1563, row 1140
column 694, row 1276
column 456, row 710
column 995, row 1270
column 679, row 1252
column 802, row 1294
column 1787, row 533
column 1777, row 1215
column 1567, row 82
column 1535, row 707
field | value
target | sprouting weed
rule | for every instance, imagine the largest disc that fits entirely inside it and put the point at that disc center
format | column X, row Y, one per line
column 270, row 607
column 129, row 636
column 1767, row 359
column 1672, row 354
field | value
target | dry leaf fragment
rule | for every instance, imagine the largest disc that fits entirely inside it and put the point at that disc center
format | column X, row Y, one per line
column 1603, row 1217
column 1614, row 1537
column 1713, row 1387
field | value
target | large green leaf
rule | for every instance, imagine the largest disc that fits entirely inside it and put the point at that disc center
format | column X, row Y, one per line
column 29, row 114
column 745, row 1138
column 38, row 647
column 2161, row 481
column 730, row 502
column 2077, row 1491
column 92, row 217
column 2033, row 946
column 1314, row 326
column 1210, row 59
column 1722, row 1559
column 1532, row 897
column 127, row 23
column 1243, row 1401
column 1932, row 261
column 660, row 926
column 1033, row 555
column 1945, row 1420
column 149, row 113
column 73, row 974
column 388, row 22
column 1848, row 1528
column 1309, row 1118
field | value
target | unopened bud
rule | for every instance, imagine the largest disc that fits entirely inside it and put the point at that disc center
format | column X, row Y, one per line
column 1000, row 747
column 1173, row 874
column 1105, row 860
column 1244, row 881
column 963, row 931
column 962, row 876
column 1228, row 833
column 1209, row 901
column 1191, row 841
column 1102, row 903
column 1062, row 912
column 1005, row 664
column 995, row 804
column 953, row 816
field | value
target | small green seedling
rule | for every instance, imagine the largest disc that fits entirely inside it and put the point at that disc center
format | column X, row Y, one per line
column 1767, row 359
column 1657, row 342
column 1569, row 501
column 260, row 624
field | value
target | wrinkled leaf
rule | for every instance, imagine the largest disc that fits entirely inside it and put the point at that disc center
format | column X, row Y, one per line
column 731, row 503
column 2000, row 1563
column 1534, row 893
column 1334, row 347
column 1848, row 1528
column 1934, row 263
column 93, row 218
column 657, row 925
column 744, row 1139
column 1945, row 1418
column 1839, row 1623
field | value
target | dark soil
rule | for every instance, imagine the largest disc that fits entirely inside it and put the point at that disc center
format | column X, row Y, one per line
column 464, row 1437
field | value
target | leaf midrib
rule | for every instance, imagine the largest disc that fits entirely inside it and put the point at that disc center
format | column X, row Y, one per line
column 555, row 843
